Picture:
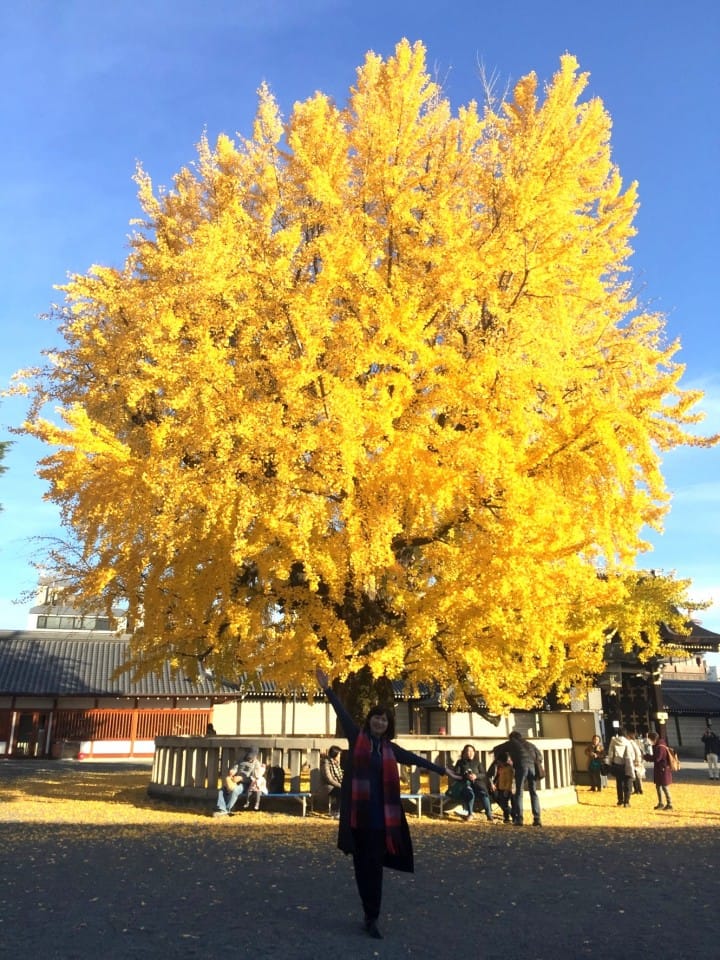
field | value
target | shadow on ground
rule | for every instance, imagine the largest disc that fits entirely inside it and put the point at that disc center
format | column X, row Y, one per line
column 201, row 888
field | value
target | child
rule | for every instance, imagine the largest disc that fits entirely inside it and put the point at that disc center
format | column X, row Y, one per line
column 254, row 771
column 502, row 776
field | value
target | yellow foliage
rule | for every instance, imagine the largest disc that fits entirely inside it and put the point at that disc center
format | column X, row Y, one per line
column 372, row 389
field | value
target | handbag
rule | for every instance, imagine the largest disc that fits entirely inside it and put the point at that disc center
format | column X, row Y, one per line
column 673, row 759
column 457, row 790
column 539, row 767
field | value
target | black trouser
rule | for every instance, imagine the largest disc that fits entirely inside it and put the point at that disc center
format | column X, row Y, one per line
column 504, row 798
column 368, row 860
column 623, row 783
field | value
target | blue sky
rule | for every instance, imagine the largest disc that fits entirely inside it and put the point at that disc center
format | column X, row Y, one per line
column 89, row 88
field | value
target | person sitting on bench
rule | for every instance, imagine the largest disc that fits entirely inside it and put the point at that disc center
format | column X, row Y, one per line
column 230, row 792
column 253, row 770
column 332, row 774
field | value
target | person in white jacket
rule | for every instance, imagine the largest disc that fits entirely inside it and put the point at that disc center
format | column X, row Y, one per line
column 638, row 761
column 621, row 758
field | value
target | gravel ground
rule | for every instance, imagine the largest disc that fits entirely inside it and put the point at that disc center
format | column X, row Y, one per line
column 91, row 866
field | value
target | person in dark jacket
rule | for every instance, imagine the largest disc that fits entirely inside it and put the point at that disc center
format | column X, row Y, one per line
column 475, row 782
column 595, row 752
column 662, row 771
column 711, row 743
column 373, row 827
column 524, row 756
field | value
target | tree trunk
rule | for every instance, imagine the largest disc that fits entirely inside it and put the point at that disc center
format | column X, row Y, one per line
column 361, row 691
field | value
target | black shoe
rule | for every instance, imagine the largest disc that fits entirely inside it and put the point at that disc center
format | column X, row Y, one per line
column 537, row 823
column 659, row 806
column 371, row 928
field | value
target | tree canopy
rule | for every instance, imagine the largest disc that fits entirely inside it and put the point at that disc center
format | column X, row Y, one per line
column 372, row 390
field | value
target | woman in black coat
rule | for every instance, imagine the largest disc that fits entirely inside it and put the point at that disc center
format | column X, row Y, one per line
column 475, row 786
column 373, row 827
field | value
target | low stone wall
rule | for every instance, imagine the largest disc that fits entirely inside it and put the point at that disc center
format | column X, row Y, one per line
column 191, row 767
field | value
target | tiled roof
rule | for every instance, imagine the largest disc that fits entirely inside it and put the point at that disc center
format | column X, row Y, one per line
column 67, row 663
column 692, row 698
column 53, row 663
column 700, row 640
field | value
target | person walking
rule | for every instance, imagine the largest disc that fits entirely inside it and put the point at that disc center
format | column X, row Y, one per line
column 373, row 827
column 711, row 742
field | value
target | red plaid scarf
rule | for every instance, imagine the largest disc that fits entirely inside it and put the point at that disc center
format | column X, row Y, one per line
column 360, row 806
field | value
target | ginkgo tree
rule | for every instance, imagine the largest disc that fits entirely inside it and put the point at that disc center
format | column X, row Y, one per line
column 372, row 391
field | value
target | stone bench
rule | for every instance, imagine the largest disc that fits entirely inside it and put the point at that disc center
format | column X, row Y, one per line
column 420, row 798
column 304, row 796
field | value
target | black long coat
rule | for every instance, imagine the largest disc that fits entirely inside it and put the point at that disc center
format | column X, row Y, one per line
column 346, row 841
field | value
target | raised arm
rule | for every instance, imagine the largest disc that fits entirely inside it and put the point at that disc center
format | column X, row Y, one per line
column 409, row 759
column 350, row 728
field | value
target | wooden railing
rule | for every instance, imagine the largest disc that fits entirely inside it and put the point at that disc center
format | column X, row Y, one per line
column 191, row 767
column 131, row 724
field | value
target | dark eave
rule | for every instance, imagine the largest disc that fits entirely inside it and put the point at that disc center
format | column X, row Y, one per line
column 697, row 698
column 699, row 640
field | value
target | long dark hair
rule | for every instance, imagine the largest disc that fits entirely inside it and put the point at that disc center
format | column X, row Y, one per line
column 379, row 710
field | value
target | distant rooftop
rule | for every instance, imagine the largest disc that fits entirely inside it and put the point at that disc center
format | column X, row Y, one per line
column 692, row 697
column 73, row 663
